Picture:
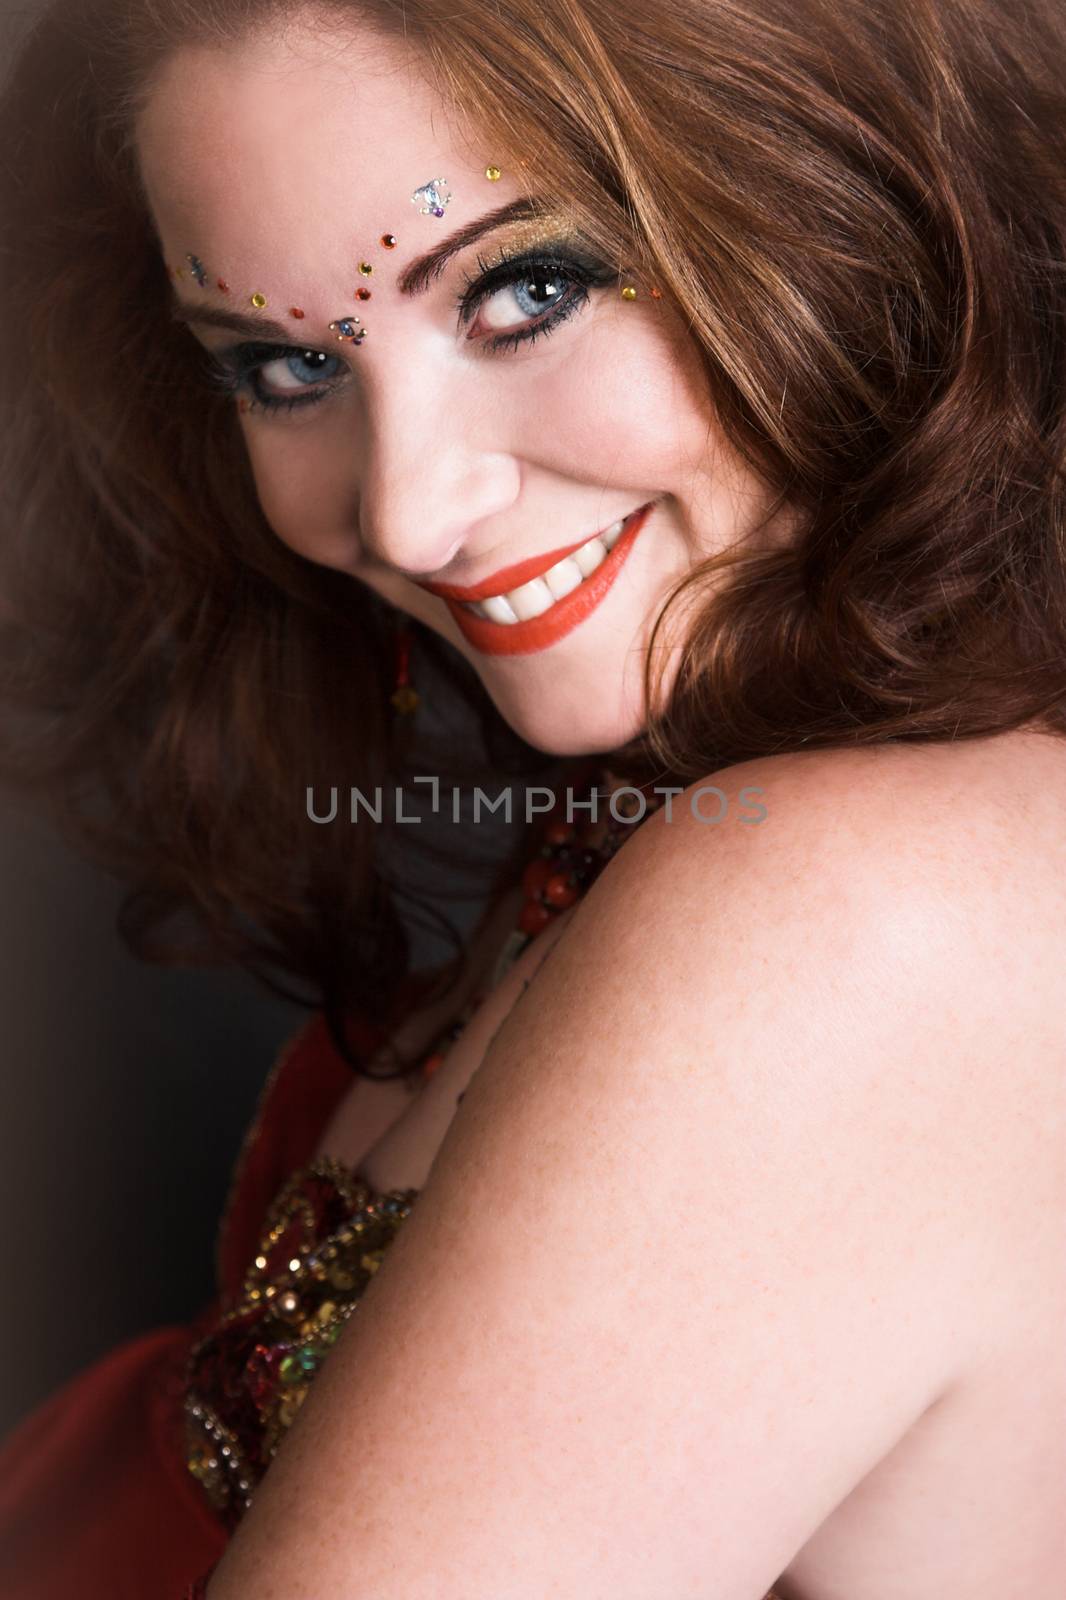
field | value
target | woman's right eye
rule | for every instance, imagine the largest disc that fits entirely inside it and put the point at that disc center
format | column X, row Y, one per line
column 296, row 370
column 275, row 375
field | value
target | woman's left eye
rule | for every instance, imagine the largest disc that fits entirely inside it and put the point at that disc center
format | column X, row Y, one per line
column 520, row 299
column 523, row 298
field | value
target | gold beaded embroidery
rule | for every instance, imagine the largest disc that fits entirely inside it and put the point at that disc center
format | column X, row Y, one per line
column 324, row 1238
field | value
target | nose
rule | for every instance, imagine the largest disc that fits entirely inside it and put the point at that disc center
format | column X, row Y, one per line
column 433, row 471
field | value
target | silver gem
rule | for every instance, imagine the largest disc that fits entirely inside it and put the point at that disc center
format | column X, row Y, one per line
column 433, row 202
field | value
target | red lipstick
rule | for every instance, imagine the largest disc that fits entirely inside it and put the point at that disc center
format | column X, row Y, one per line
column 523, row 638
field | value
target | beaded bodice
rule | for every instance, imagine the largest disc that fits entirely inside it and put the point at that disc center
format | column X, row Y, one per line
column 326, row 1231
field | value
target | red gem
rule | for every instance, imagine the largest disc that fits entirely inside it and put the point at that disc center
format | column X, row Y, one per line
column 389, row 241
column 223, row 285
column 536, row 876
column 558, row 832
column 559, row 891
column 362, row 294
column 296, row 312
column 431, row 1063
column 261, row 1368
column 533, row 917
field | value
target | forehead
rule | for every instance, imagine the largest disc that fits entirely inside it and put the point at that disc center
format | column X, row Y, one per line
column 306, row 134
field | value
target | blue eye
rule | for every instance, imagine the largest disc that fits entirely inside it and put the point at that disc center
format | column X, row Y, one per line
column 545, row 291
column 243, row 369
column 546, row 288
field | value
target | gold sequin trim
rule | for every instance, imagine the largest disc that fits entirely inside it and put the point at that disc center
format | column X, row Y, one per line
column 247, row 1378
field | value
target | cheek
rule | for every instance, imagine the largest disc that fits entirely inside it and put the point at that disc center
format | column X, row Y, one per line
column 629, row 409
column 306, row 499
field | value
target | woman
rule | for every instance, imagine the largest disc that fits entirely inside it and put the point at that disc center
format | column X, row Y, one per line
column 741, row 1263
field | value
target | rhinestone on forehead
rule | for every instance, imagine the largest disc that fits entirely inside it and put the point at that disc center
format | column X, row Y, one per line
column 348, row 328
column 433, row 200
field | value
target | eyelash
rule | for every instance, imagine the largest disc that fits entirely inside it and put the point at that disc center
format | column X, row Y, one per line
column 237, row 370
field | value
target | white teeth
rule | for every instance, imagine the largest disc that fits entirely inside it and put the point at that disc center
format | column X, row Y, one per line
column 530, row 599
column 590, row 556
column 533, row 598
column 496, row 609
column 564, row 576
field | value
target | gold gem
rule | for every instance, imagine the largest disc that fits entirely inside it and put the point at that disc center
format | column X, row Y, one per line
column 629, row 293
column 259, row 300
column 405, row 699
column 492, row 173
column 326, row 1310
column 365, row 268
column 291, row 1404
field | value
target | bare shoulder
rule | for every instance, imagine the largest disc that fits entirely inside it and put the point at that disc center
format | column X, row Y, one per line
column 885, row 938
column 964, row 833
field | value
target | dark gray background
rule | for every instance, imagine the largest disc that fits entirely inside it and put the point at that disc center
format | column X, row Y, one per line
column 124, row 1094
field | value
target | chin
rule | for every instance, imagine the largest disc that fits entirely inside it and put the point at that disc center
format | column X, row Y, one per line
column 569, row 731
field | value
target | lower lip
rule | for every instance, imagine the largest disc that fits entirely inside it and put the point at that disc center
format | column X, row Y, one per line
column 537, row 633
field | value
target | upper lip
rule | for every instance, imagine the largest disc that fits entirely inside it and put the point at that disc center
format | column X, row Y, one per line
column 512, row 577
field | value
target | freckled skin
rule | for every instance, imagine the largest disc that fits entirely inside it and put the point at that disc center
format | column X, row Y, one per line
column 433, row 457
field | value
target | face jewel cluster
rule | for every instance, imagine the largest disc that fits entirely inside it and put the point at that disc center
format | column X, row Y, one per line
column 431, row 199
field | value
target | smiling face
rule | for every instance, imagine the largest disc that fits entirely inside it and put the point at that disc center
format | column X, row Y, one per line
column 487, row 426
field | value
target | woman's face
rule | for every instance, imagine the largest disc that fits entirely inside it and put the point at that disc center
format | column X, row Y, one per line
column 449, row 446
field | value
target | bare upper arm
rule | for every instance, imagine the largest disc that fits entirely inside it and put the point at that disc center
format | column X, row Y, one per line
column 691, row 1256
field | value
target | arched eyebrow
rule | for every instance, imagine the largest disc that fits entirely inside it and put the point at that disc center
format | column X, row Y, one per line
column 414, row 280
